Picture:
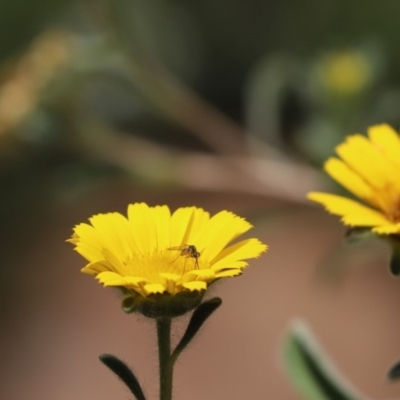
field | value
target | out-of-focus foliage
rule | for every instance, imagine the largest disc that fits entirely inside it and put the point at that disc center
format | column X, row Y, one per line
column 122, row 87
column 308, row 72
column 311, row 372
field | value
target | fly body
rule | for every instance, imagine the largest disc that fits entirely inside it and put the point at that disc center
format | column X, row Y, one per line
column 188, row 251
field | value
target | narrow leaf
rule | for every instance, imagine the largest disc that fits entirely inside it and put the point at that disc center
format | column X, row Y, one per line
column 395, row 262
column 199, row 316
column 311, row 372
column 124, row 373
column 394, row 372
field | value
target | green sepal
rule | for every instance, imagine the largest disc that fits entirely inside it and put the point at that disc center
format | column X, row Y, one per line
column 199, row 316
column 310, row 371
column 358, row 234
column 124, row 373
column 161, row 305
column 394, row 372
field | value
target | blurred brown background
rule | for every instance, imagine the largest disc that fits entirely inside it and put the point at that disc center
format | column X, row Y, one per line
column 214, row 104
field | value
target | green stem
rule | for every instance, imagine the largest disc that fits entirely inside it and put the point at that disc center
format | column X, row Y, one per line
column 164, row 354
column 171, row 96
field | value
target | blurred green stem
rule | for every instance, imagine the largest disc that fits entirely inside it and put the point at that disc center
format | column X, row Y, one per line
column 173, row 98
column 164, row 354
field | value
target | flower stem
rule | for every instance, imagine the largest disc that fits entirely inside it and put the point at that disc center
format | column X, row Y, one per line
column 164, row 354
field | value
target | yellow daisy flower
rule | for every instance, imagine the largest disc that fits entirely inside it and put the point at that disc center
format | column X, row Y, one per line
column 370, row 169
column 153, row 252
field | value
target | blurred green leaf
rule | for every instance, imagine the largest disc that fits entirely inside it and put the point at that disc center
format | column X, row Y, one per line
column 394, row 264
column 273, row 98
column 310, row 371
column 394, row 372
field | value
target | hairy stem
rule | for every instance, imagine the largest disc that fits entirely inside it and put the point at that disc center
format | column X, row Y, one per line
column 164, row 354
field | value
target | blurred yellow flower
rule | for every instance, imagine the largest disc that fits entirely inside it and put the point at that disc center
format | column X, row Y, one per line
column 370, row 169
column 153, row 252
column 345, row 72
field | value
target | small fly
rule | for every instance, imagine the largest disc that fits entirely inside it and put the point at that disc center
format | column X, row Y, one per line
column 188, row 251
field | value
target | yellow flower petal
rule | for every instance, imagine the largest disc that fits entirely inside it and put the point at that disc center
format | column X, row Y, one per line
column 198, row 285
column 180, row 222
column 389, row 229
column 89, row 252
column 364, row 220
column 170, row 277
column 153, row 288
column 205, row 275
column 89, row 233
column 340, row 205
column 90, row 247
column 233, row 265
column 96, row 267
column 250, row 248
column 143, row 227
column 229, row 273
column 353, row 213
column 359, row 153
column 387, row 140
column 370, row 168
column 387, row 143
column 219, row 231
column 344, row 175
column 170, row 282
column 103, row 224
column 162, row 223
column 108, row 275
column 109, row 278
column 198, row 220
column 114, row 261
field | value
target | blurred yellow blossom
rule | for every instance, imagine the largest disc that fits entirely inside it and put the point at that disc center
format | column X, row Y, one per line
column 370, row 169
column 345, row 72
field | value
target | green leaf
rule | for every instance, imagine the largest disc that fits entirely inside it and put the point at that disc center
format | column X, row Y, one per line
column 395, row 262
column 394, row 373
column 124, row 373
column 199, row 316
column 311, row 372
column 273, row 80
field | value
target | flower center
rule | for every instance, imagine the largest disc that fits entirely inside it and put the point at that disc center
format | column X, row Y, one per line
column 166, row 261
